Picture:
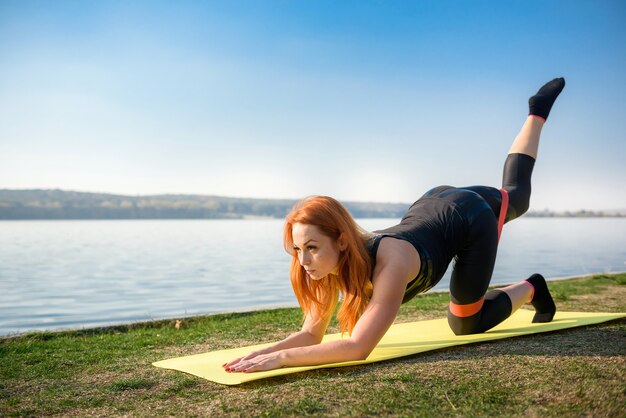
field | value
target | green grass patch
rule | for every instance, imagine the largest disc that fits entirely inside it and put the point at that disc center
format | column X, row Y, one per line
column 130, row 384
column 592, row 284
column 107, row 371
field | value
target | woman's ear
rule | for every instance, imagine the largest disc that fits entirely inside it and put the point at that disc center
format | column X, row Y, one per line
column 341, row 242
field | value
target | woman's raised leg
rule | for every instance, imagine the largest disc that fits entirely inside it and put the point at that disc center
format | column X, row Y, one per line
column 471, row 309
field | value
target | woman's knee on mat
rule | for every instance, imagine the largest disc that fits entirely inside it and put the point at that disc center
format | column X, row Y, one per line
column 464, row 325
column 480, row 316
column 465, row 318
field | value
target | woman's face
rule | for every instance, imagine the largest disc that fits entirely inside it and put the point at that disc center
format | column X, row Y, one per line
column 317, row 253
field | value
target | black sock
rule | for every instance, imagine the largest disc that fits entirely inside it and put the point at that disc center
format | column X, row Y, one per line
column 541, row 103
column 542, row 300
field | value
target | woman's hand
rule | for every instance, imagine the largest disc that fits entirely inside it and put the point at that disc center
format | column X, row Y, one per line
column 242, row 358
column 254, row 362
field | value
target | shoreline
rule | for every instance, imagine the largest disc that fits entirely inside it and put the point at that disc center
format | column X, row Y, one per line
column 251, row 309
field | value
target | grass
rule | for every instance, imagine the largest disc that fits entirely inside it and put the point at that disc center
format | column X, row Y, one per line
column 107, row 371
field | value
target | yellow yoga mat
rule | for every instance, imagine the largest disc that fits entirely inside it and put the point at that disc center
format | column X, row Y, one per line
column 400, row 340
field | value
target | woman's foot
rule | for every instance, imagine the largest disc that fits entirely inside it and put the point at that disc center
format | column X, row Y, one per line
column 541, row 299
column 541, row 103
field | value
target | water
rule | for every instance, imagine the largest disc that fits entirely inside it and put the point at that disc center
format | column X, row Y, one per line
column 74, row 274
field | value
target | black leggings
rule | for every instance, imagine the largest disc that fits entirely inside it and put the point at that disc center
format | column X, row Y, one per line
column 475, row 261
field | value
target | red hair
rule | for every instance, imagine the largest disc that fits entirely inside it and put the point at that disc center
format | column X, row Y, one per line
column 354, row 267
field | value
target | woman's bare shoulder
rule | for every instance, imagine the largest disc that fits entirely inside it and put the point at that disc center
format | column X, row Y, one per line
column 398, row 254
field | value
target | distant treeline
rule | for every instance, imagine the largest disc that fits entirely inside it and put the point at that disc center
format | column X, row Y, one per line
column 578, row 214
column 61, row 204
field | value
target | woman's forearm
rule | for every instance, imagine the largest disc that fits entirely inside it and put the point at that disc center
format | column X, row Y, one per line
column 330, row 352
column 297, row 339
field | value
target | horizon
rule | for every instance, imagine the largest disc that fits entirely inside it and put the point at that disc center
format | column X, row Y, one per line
column 363, row 101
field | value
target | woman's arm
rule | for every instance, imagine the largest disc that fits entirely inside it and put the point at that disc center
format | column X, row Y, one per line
column 312, row 332
column 393, row 268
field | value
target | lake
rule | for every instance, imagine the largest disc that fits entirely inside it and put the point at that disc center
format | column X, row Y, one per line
column 75, row 274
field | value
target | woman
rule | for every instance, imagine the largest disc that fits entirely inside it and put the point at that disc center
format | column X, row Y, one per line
column 377, row 272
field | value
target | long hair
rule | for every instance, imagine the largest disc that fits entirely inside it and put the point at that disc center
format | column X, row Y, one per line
column 354, row 270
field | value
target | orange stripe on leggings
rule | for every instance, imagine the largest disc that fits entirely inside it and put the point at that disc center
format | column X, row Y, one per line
column 470, row 309
column 504, row 206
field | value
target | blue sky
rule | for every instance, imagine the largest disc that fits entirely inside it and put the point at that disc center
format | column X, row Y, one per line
column 361, row 100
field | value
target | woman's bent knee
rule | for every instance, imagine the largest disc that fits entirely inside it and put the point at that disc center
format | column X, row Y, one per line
column 518, row 170
column 464, row 325
column 519, row 201
column 496, row 308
